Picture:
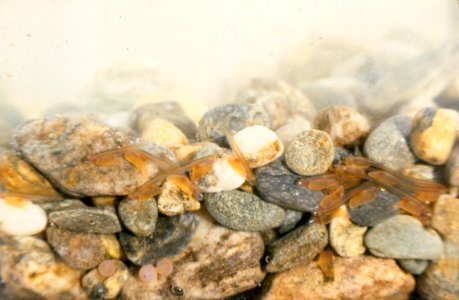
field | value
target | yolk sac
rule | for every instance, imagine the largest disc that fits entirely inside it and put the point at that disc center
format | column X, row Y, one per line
column 147, row 273
column 165, row 267
column 107, row 268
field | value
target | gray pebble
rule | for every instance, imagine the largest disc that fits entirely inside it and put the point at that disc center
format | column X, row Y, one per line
column 292, row 217
column 300, row 246
column 403, row 237
column 310, row 153
column 277, row 184
column 239, row 117
column 389, row 144
column 243, row 211
column 376, row 211
column 86, row 219
column 171, row 235
column 413, row 266
column 139, row 216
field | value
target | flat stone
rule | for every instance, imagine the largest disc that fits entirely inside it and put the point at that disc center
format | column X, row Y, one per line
column 444, row 218
column 243, row 211
column 139, row 216
column 362, row 277
column 310, row 153
column 87, row 219
column 292, row 217
column 101, row 287
column 239, row 116
column 171, row 236
column 299, row 246
column 389, row 145
column 403, row 237
column 413, row 266
column 346, row 238
column 277, row 184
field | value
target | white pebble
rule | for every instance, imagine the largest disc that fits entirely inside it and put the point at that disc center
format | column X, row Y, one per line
column 259, row 145
column 223, row 176
column 21, row 218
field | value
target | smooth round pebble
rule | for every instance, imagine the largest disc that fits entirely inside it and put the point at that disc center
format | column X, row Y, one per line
column 413, row 266
column 139, row 216
column 243, row 211
column 21, row 217
column 288, row 131
column 164, row 133
column 433, row 132
column 310, row 153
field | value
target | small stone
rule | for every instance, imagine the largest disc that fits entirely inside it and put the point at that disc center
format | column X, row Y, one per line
column 238, row 116
column 445, row 213
column 299, row 246
column 310, row 153
column 452, row 167
column 403, row 237
column 433, row 132
column 171, row 236
column 21, row 217
column 87, row 219
column 31, row 271
column 139, row 216
column 292, row 218
column 277, row 184
column 413, row 266
column 164, row 133
column 287, row 132
column 281, row 101
column 388, row 144
column 325, row 95
column 421, row 171
column 187, row 152
column 376, row 211
column 259, row 145
column 170, row 111
column 100, row 287
column 346, row 127
column 345, row 237
column 243, row 211
column 82, row 251
column 362, row 277
column 173, row 201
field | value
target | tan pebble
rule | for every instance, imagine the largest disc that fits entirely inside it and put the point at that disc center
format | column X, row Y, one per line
column 346, row 238
column 112, row 283
column 104, row 201
column 452, row 167
column 164, row 133
column 174, row 201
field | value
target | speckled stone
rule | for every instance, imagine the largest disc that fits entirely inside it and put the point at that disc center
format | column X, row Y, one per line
column 87, row 219
column 376, row 211
column 388, row 144
column 452, row 167
column 277, row 184
column 413, row 266
column 287, row 132
column 403, row 237
column 346, row 127
column 362, row 277
column 173, row 201
column 445, row 215
column 171, row 235
column 346, row 238
column 243, row 211
column 164, row 133
column 433, row 132
column 100, row 287
column 239, row 117
column 310, row 153
column 292, row 217
column 299, row 246
column 281, row 101
column 139, row 216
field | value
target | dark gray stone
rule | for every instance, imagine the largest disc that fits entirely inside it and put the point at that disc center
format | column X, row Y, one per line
column 292, row 217
column 139, row 216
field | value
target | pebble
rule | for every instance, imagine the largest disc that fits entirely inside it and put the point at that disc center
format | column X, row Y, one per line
column 100, row 287
column 421, row 171
column 139, row 216
column 323, row 96
column 187, row 152
column 164, row 133
column 345, row 126
column 433, row 132
column 82, row 251
column 170, row 111
column 346, row 238
column 259, row 145
column 58, row 149
column 403, row 237
column 389, row 145
column 21, row 217
column 376, row 211
column 299, row 246
column 362, row 277
column 452, row 167
column 243, row 211
column 238, row 117
column 171, row 235
column 292, row 218
column 281, row 101
column 413, row 266
column 288, row 131
column 444, row 218
column 277, row 184
column 310, row 153
column 173, row 201
column 31, row 271
column 86, row 219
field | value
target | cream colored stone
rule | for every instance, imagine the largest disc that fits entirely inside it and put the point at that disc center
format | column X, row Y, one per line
column 164, row 133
